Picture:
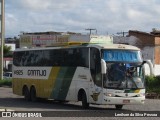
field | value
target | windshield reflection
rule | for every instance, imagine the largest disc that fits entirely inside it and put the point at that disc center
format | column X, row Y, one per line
column 124, row 75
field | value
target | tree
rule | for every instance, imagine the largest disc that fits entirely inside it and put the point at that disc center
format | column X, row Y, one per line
column 7, row 51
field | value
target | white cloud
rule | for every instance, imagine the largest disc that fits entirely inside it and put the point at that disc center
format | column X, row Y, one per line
column 45, row 5
column 10, row 23
column 75, row 15
column 134, row 14
column 35, row 4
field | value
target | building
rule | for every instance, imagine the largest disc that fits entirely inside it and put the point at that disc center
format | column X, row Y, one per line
column 14, row 40
column 149, row 43
column 43, row 39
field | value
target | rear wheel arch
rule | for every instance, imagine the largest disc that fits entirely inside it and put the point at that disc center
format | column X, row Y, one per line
column 33, row 93
column 26, row 93
column 32, row 87
column 24, row 88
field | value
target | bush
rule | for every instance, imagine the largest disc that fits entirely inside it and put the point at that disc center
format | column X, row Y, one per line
column 153, row 84
column 7, row 82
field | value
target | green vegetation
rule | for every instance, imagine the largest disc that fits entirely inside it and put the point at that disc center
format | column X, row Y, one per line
column 153, row 84
column 7, row 51
column 7, row 82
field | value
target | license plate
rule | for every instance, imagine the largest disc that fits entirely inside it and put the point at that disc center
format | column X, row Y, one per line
column 126, row 101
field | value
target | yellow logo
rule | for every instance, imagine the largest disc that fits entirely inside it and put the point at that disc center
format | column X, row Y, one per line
column 95, row 96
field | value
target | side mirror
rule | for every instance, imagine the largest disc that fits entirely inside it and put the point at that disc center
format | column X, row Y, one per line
column 103, row 66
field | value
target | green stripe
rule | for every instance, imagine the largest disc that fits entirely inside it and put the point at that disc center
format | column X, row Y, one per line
column 62, row 83
column 130, row 91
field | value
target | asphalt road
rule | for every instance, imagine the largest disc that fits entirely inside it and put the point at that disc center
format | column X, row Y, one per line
column 9, row 101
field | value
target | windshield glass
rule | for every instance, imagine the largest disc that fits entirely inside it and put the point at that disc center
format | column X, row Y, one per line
column 121, row 55
column 124, row 69
column 124, row 75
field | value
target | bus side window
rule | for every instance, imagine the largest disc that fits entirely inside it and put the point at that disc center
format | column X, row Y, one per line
column 95, row 66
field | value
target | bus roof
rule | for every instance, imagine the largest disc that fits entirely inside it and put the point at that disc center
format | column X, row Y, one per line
column 115, row 46
column 98, row 46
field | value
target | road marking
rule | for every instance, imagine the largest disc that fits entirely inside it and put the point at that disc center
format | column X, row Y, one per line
column 2, row 109
column 6, row 110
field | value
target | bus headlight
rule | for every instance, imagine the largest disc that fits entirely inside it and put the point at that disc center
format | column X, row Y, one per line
column 109, row 94
column 141, row 95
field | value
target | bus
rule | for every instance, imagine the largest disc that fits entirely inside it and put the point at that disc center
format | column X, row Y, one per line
column 91, row 73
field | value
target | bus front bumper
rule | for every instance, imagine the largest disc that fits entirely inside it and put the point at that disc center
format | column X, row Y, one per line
column 123, row 100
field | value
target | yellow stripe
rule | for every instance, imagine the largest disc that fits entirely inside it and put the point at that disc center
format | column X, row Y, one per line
column 48, row 85
column 43, row 87
column 137, row 91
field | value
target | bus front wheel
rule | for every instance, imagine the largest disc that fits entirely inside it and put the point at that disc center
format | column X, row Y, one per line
column 118, row 107
column 85, row 104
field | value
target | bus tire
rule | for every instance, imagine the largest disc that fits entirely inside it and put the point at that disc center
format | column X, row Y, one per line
column 85, row 104
column 33, row 94
column 26, row 93
column 118, row 107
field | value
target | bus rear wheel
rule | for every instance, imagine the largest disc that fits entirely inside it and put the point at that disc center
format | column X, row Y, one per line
column 118, row 107
column 26, row 94
column 85, row 104
column 33, row 94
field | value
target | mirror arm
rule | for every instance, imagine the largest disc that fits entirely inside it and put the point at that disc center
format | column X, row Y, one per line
column 103, row 66
column 150, row 66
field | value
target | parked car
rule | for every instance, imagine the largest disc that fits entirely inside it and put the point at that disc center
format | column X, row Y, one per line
column 7, row 75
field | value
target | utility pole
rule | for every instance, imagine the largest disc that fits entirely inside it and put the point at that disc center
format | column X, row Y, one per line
column 2, row 38
column 90, row 29
column 122, row 33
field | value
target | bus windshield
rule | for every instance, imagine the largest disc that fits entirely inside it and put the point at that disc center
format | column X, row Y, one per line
column 124, row 69
column 121, row 56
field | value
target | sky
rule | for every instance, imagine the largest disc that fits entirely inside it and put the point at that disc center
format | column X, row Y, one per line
column 107, row 16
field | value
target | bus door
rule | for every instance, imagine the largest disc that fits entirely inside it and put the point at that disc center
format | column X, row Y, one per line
column 95, row 84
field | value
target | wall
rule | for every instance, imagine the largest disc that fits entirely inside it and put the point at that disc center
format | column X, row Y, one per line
column 13, row 46
column 145, row 39
column 157, row 50
column 157, row 40
column 36, row 40
column 157, row 55
column 125, row 40
column 7, row 64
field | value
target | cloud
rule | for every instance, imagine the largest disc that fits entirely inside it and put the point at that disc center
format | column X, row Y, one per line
column 75, row 15
column 35, row 4
column 44, row 5
column 10, row 23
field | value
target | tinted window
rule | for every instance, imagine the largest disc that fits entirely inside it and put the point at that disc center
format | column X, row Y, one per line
column 57, row 57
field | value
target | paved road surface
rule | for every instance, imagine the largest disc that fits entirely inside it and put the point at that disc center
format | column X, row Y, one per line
column 10, row 101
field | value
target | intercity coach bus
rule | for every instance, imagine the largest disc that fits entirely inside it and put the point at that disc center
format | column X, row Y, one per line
column 94, row 74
